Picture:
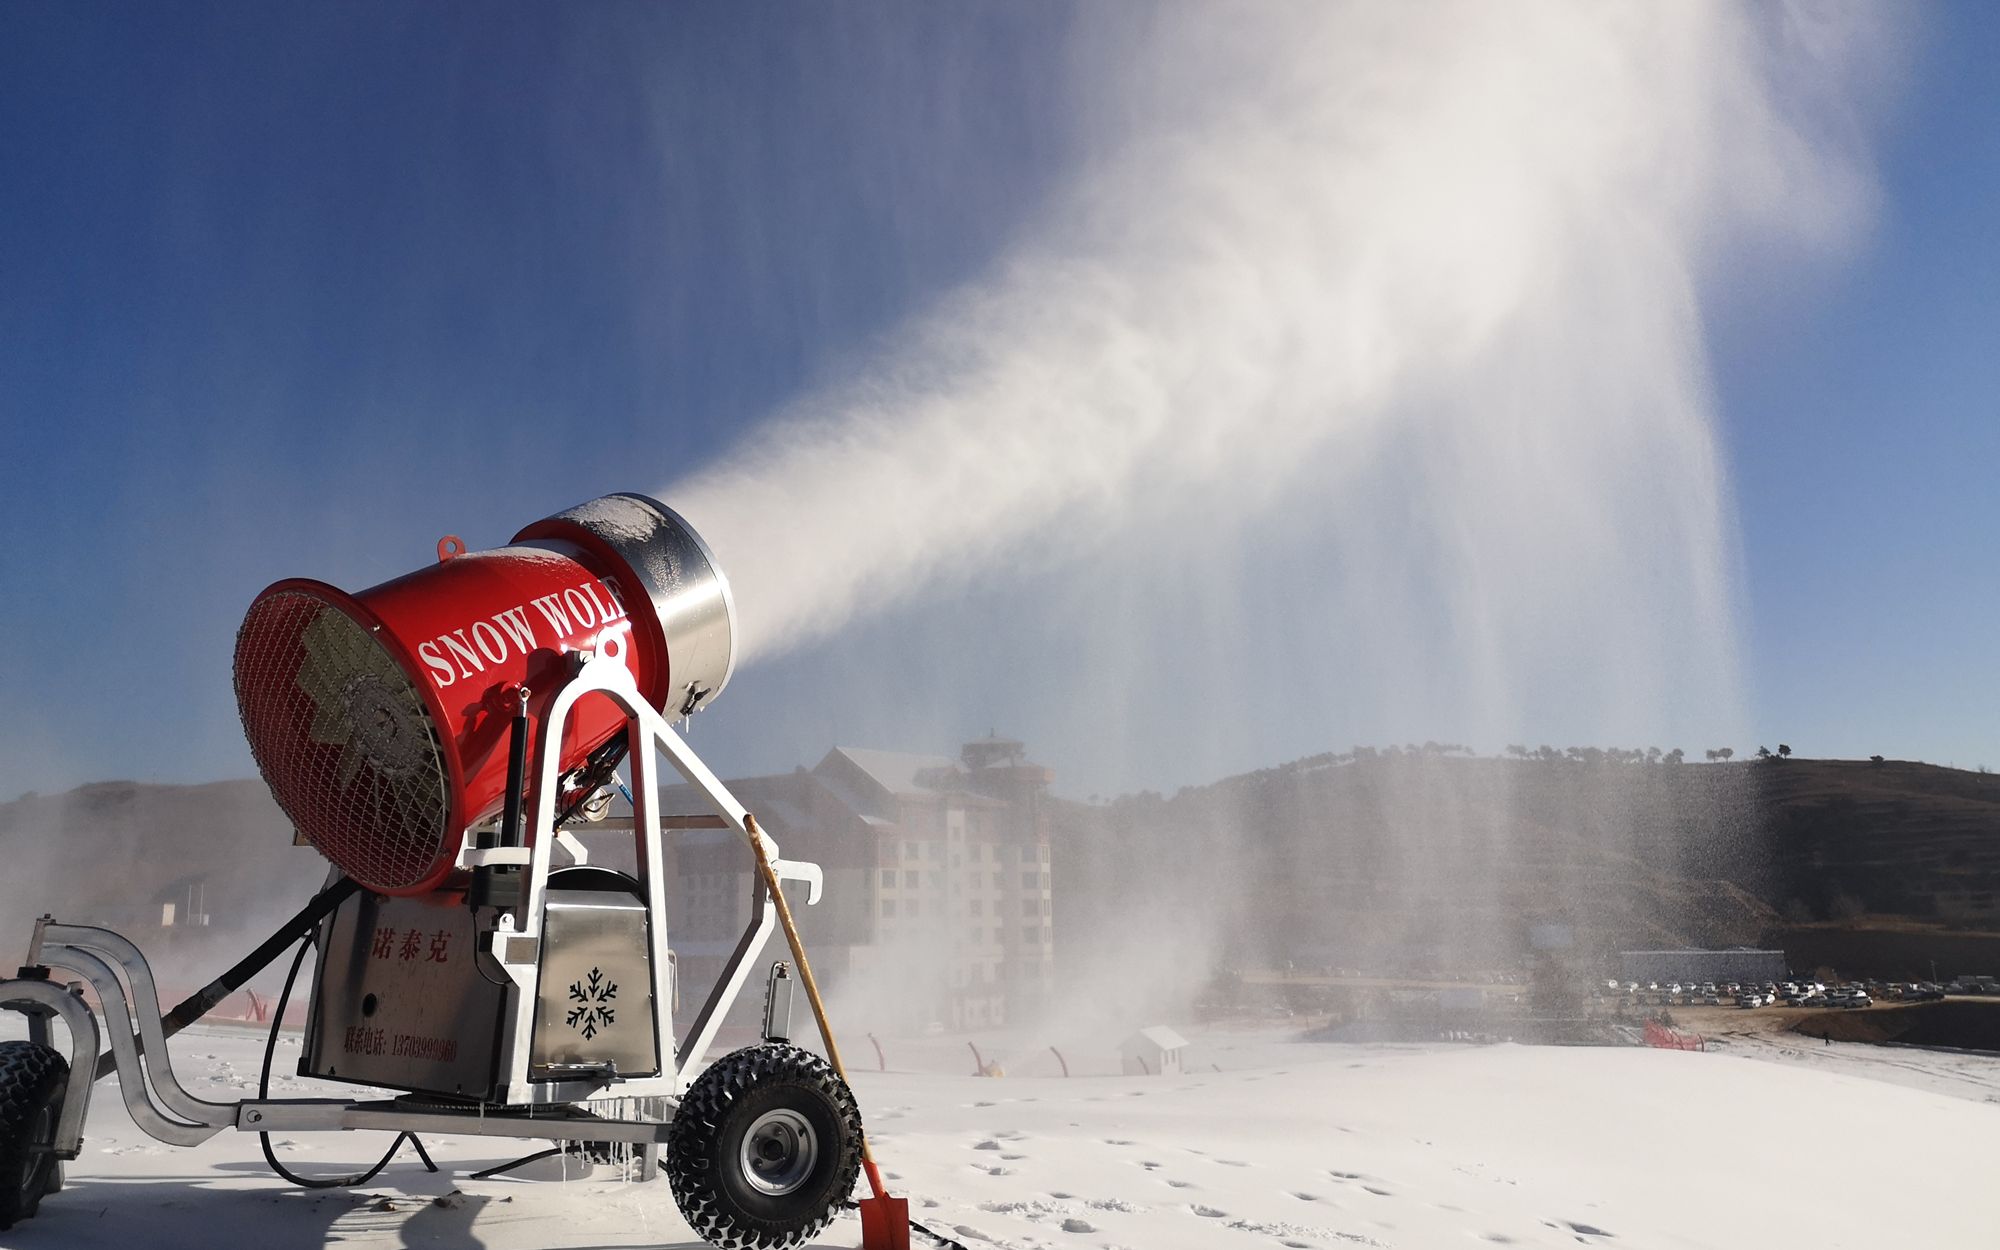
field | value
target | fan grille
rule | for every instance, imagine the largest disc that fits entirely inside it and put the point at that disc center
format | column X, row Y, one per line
column 343, row 739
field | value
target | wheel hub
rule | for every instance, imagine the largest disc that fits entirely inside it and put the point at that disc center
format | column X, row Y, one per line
column 779, row 1151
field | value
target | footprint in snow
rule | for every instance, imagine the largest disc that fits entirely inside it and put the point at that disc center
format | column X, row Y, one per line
column 1117, row 1141
column 1012, row 1158
column 1379, row 1192
column 1182, row 1184
column 1074, row 1225
column 1232, row 1163
column 1303, row 1196
column 988, row 1144
column 1060, row 1196
column 1585, row 1230
column 1209, row 1212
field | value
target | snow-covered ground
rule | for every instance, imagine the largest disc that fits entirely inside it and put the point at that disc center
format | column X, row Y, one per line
column 1765, row 1144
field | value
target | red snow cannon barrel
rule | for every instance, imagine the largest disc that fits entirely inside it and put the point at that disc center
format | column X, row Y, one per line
column 380, row 719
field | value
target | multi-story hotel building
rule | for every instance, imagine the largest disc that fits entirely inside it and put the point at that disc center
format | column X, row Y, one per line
column 937, row 881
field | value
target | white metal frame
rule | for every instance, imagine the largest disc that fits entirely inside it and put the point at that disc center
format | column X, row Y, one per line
column 516, row 945
column 160, row 1106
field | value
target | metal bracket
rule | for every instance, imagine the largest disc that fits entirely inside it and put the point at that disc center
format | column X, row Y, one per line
column 44, row 998
column 603, row 672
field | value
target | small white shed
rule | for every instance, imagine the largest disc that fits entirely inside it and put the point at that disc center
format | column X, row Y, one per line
column 1155, row 1051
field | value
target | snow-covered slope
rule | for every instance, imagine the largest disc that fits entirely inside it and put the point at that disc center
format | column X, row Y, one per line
column 1298, row 1145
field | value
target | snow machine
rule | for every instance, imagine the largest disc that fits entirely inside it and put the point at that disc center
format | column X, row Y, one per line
column 475, row 970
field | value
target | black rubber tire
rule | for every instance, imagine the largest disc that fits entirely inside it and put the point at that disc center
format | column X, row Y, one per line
column 704, row 1148
column 32, row 1081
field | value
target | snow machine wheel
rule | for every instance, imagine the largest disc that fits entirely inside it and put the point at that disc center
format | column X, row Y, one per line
column 32, row 1081
column 764, row 1148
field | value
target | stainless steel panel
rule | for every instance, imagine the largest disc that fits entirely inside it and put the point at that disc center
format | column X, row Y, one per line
column 594, row 1001
column 398, row 1000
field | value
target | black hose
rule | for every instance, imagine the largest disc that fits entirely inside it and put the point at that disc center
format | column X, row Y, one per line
column 511, row 1164
column 202, row 1001
column 595, row 771
column 264, row 1093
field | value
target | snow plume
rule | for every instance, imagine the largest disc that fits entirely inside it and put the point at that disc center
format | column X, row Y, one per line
column 1323, row 230
column 1386, row 319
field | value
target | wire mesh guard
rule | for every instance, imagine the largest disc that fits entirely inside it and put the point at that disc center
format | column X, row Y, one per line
column 342, row 737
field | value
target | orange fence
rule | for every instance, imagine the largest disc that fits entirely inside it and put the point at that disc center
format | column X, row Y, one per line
column 1658, row 1034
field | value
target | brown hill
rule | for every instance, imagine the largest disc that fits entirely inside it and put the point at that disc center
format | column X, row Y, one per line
column 1431, row 859
column 1417, row 860
column 153, row 861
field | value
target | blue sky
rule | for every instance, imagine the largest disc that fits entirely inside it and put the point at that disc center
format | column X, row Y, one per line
column 293, row 292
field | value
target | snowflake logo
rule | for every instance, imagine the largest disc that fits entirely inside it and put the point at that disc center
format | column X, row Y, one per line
column 594, row 995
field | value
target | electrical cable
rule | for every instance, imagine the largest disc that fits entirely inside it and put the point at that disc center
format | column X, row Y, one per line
column 264, row 1093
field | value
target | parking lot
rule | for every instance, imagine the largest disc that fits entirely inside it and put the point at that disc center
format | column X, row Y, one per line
column 1809, row 993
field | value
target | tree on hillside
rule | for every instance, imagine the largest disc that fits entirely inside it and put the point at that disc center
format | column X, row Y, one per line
column 1652, row 755
column 1675, row 756
column 1875, row 759
column 1784, row 752
column 1712, row 757
column 1725, row 754
column 1763, row 753
column 1518, row 752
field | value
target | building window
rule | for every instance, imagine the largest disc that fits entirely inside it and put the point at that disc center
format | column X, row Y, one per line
column 1028, row 935
column 976, row 907
column 1042, row 853
column 1045, row 907
column 888, row 908
column 1029, row 880
column 998, row 882
column 937, row 879
column 1028, row 907
column 910, row 879
column 889, row 877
